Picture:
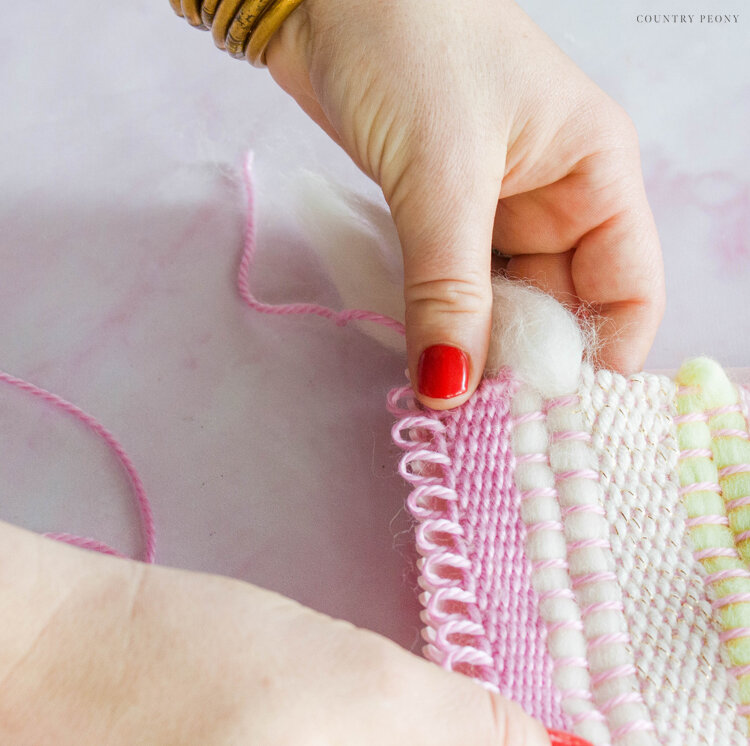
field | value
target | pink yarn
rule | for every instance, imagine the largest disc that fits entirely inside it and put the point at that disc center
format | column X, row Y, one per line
column 147, row 521
column 147, row 524
column 481, row 612
column 83, row 543
column 341, row 318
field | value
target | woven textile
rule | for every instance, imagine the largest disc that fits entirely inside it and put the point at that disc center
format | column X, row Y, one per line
column 481, row 614
column 560, row 559
column 669, row 616
column 583, row 608
column 713, row 471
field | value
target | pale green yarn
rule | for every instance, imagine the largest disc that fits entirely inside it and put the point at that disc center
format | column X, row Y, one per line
column 709, row 388
column 716, row 390
column 732, row 450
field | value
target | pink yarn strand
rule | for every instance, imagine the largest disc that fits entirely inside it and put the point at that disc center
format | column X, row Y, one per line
column 283, row 309
column 147, row 521
column 83, row 543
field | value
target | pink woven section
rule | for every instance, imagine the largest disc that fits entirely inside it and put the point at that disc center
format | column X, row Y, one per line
column 481, row 613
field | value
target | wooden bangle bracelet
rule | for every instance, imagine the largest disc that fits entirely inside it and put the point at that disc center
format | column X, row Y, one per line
column 223, row 17
column 191, row 12
column 266, row 28
column 176, row 7
column 208, row 11
column 243, row 26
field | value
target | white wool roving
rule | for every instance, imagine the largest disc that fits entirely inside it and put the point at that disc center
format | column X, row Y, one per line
column 357, row 242
column 536, row 337
column 533, row 334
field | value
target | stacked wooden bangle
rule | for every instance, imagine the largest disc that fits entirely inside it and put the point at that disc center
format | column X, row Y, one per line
column 243, row 28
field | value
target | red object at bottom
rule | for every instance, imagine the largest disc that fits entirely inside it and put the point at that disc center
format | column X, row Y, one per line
column 558, row 738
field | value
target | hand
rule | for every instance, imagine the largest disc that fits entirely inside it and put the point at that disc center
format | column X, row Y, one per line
column 97, row 650
column 481, row 133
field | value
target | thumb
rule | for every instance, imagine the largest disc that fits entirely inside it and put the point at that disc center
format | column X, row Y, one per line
column 444, row 222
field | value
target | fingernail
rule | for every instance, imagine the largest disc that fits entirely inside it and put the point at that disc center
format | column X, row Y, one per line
column 558, row 738
column 443, row 372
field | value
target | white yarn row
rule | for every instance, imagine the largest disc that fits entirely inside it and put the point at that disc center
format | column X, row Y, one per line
column 610, row 656
column 547, row 553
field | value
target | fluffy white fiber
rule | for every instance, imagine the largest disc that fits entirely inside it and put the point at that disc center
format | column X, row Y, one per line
column 533, row 334
column 536, row 337
column 357, row 243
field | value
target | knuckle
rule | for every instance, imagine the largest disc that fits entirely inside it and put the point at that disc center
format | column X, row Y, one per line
column 622, row 124
column 607, row 127
column 622, row 133
column 449, row 296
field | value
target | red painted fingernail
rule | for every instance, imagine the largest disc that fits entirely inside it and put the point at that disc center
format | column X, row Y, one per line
column 443, row 372
column 558, row 738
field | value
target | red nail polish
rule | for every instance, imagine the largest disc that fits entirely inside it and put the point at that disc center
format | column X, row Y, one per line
column 443, row 372
column 558, row 738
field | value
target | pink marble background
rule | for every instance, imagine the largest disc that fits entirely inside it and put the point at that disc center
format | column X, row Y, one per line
column 264, row 442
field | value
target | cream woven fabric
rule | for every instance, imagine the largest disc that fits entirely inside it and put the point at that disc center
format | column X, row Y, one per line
column 559, row 557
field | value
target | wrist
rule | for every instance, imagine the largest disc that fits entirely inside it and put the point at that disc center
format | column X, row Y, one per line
column 293, row 39
column 59, row 608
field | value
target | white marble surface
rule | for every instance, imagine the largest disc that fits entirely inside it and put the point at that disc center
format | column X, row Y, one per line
column 264, row 443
